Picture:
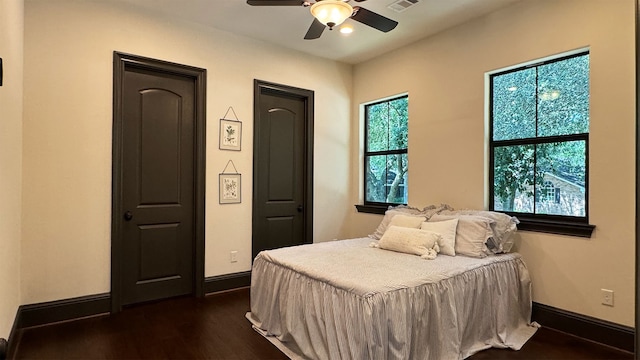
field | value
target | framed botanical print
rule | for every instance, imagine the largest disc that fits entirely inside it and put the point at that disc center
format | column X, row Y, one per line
column 230, row 135
column 230, row 189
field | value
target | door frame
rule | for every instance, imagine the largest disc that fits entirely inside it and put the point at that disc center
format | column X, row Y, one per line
column 637, row 208
column 307, row 96
column 121, row 63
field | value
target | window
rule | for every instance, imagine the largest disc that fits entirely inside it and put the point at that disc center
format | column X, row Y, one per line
column 539, row 140
column 550, row 192
column 385, row 155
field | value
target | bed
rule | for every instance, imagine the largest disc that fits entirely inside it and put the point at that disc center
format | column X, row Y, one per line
column 347, row 300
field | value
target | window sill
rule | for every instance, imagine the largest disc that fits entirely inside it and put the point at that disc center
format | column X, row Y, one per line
column 556, row 227
column 372, row 209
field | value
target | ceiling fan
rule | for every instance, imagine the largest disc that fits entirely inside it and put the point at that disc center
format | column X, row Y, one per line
column 332, row 13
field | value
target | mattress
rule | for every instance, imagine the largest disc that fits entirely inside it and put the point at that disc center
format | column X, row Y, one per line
column 346, row 300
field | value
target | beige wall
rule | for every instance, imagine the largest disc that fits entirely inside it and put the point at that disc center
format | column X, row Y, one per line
column 11, row 51
column 445, row 78
column 67, row 135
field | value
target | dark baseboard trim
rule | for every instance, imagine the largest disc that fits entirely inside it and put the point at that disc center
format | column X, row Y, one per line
column 61, row 310
column 601, row 331
column 14, row 337
column 3, row 349
column 227, row 282
column 75, row 308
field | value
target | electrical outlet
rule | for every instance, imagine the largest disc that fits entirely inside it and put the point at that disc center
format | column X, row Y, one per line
column 607, row 297
column 233, row 257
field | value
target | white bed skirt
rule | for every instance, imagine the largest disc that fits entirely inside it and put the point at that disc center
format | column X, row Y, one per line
column 451, row 318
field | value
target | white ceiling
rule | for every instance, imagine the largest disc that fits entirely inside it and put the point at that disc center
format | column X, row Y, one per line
column 287, row 25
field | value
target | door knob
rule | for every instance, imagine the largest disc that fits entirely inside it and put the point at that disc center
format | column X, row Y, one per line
column 300, row 208
column 128, row 216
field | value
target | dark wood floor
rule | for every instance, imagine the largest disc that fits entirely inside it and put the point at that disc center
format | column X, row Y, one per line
column 215, row 328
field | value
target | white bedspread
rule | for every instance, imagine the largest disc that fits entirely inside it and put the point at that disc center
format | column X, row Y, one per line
column 346, row 300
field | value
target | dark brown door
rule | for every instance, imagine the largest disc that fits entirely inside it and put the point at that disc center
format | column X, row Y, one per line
column 283, row 133
column 157, row 173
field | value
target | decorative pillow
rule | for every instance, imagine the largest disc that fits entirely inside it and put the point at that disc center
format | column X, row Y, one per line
column 471, row 234
column 503, row 228
column 409, row 221
column 431, row 210
column 410, row 241
column 427, row 211
column 447, row 229
column 389, row 214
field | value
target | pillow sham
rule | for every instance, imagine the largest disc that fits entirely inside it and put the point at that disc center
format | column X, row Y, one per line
column 389, row 214
column 503, row 228
column 410, row 241
column 447, row 230
column 431, row 210
column 409, row 221
column 472, row 233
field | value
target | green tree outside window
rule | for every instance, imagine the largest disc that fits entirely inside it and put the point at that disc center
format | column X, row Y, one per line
column 385, row 158
column 539, row 138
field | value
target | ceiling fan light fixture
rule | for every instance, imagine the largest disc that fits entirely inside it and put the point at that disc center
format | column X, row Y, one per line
column 331, row 12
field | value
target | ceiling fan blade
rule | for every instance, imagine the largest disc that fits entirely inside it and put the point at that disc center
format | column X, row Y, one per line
column 315, row 30
column 372, row 19
column 275, row 2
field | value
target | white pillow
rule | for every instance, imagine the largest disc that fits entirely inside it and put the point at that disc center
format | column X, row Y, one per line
column 389, row 214
column 431, row 210
column 410, row 241
column 447, row 229
column 503, row 228
column 471, row 234
column 408, row 221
